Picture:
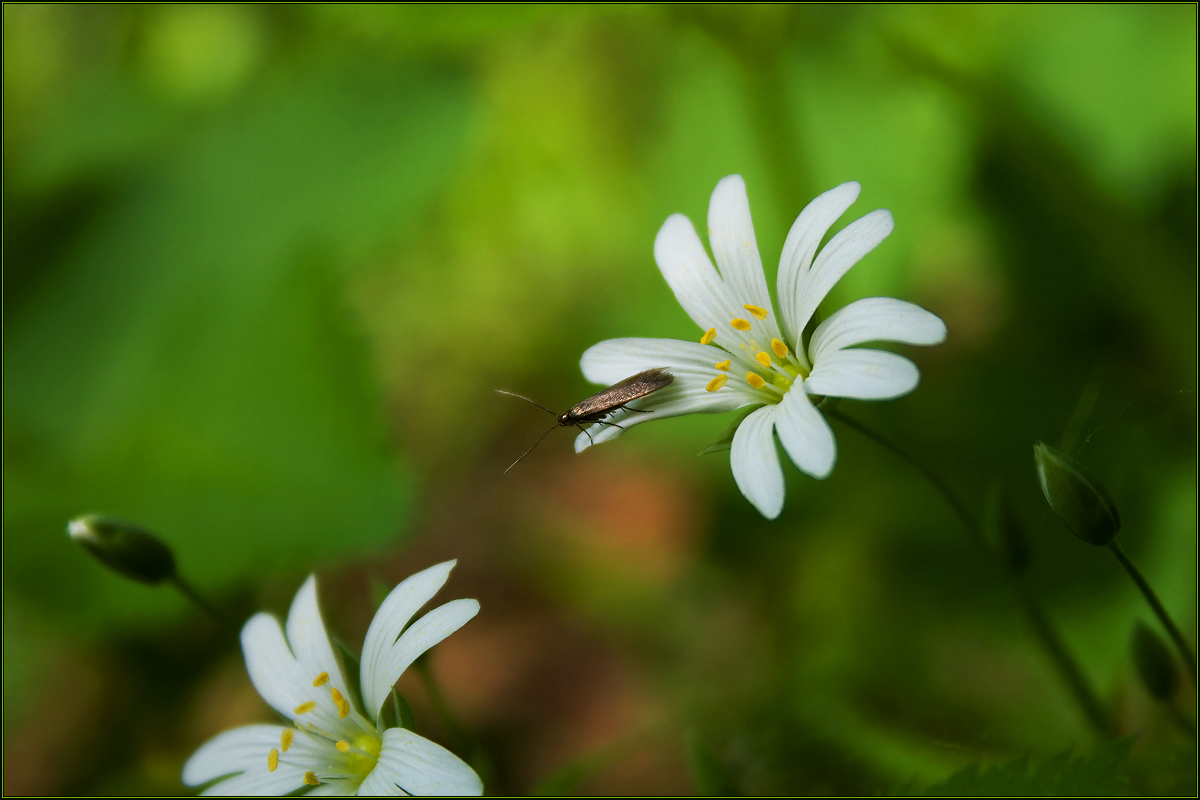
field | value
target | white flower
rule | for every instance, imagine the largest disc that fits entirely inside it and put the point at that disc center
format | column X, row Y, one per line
column 335, row 747
column 748, row 356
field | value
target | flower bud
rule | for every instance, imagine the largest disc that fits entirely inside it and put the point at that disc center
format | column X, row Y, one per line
column 124, row 548
column 1154, row 663
column 1077, row 497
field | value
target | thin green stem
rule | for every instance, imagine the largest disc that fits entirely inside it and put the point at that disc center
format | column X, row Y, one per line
column 1051, row 641
column 191, row 594
column 1185, row 650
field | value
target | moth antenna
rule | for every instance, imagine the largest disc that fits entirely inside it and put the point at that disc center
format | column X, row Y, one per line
column 527, row 400
column 535, row 444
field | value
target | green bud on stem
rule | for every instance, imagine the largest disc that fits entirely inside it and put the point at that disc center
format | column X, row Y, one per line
column 1154, row 663
column 124, row 548
column 1077, row 497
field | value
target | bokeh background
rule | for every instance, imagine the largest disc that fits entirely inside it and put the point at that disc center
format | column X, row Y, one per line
column 265, row 265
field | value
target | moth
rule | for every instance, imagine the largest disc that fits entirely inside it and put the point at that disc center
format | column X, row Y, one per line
column 594, row 409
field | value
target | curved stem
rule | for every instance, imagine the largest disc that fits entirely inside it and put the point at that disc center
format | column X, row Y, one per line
column 187, row 591
column 938, row 482
column 1051, row 641
column 1185, row 651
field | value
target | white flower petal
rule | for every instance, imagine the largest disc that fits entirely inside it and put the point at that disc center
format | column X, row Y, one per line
column 232, row 751
column 334, row 789
column 261, row 784
column 731, row 234
column 805, row 434
column 308, row 641
column 696, row 284
column 835, row 260
column 394, row 613
column 616, row 359
column 420, row 636
column 802, row 242
column 876, row 319
column 755, row 462
column 420, row 767
column 863, row 375
column 691, row 397
column 278, row 677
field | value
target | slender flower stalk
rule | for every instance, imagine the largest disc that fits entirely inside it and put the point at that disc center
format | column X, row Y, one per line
column 749, row 355
column 1051, row 641
column 337, row 744
column 1181, row 644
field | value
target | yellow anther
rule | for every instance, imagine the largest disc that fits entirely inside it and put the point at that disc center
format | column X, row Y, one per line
column 755, row 380
column 311, row 779
column 343, row 705
column 779, row 347
column 722, row 365
column 740, row 324
column 285, row 738
column 708, row 336
column 343, row 745
column 716, row 383
column 272, row 760
column 757, row 311
column 763, row 358
column 321, row 679
column 304, row 708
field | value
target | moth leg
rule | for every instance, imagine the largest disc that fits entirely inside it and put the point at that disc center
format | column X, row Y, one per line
column 638, row 410
column 585, row 432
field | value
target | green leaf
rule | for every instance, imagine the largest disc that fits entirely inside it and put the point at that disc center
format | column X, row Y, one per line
column 1102, row 773
column 725, row 440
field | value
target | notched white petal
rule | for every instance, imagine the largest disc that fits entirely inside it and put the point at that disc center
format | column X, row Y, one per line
column 863, row 375
column 230, row 752
column 805, row 435
column 802, row 242
column 307, row 638
column 421, row 767
column 272, row 669
column 731, row 234
column 755, row 462
column 424, row 634
column 843, row 251
column 394, row 613
column 876, row 319
column 691, row 276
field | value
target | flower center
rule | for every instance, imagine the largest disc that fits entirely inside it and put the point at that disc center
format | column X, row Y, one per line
column 772, row 368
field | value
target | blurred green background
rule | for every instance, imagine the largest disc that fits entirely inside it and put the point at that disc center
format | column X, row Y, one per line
column 264, row 266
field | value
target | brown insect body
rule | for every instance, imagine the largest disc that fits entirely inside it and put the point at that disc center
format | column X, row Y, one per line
column 594, row 409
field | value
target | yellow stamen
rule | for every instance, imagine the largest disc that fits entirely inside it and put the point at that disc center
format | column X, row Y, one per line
column 722, row 365
column 343, row 745
column 779, row 347
column 272, row 760
column 304, row 708
column 763, row 358
column 755, row 380
column 757, row 311
column 321, row 679
column 716, row 383
column 708, row 336
column 740, row 324
column 343, row 705
column 285, row 739
column 311, row 779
